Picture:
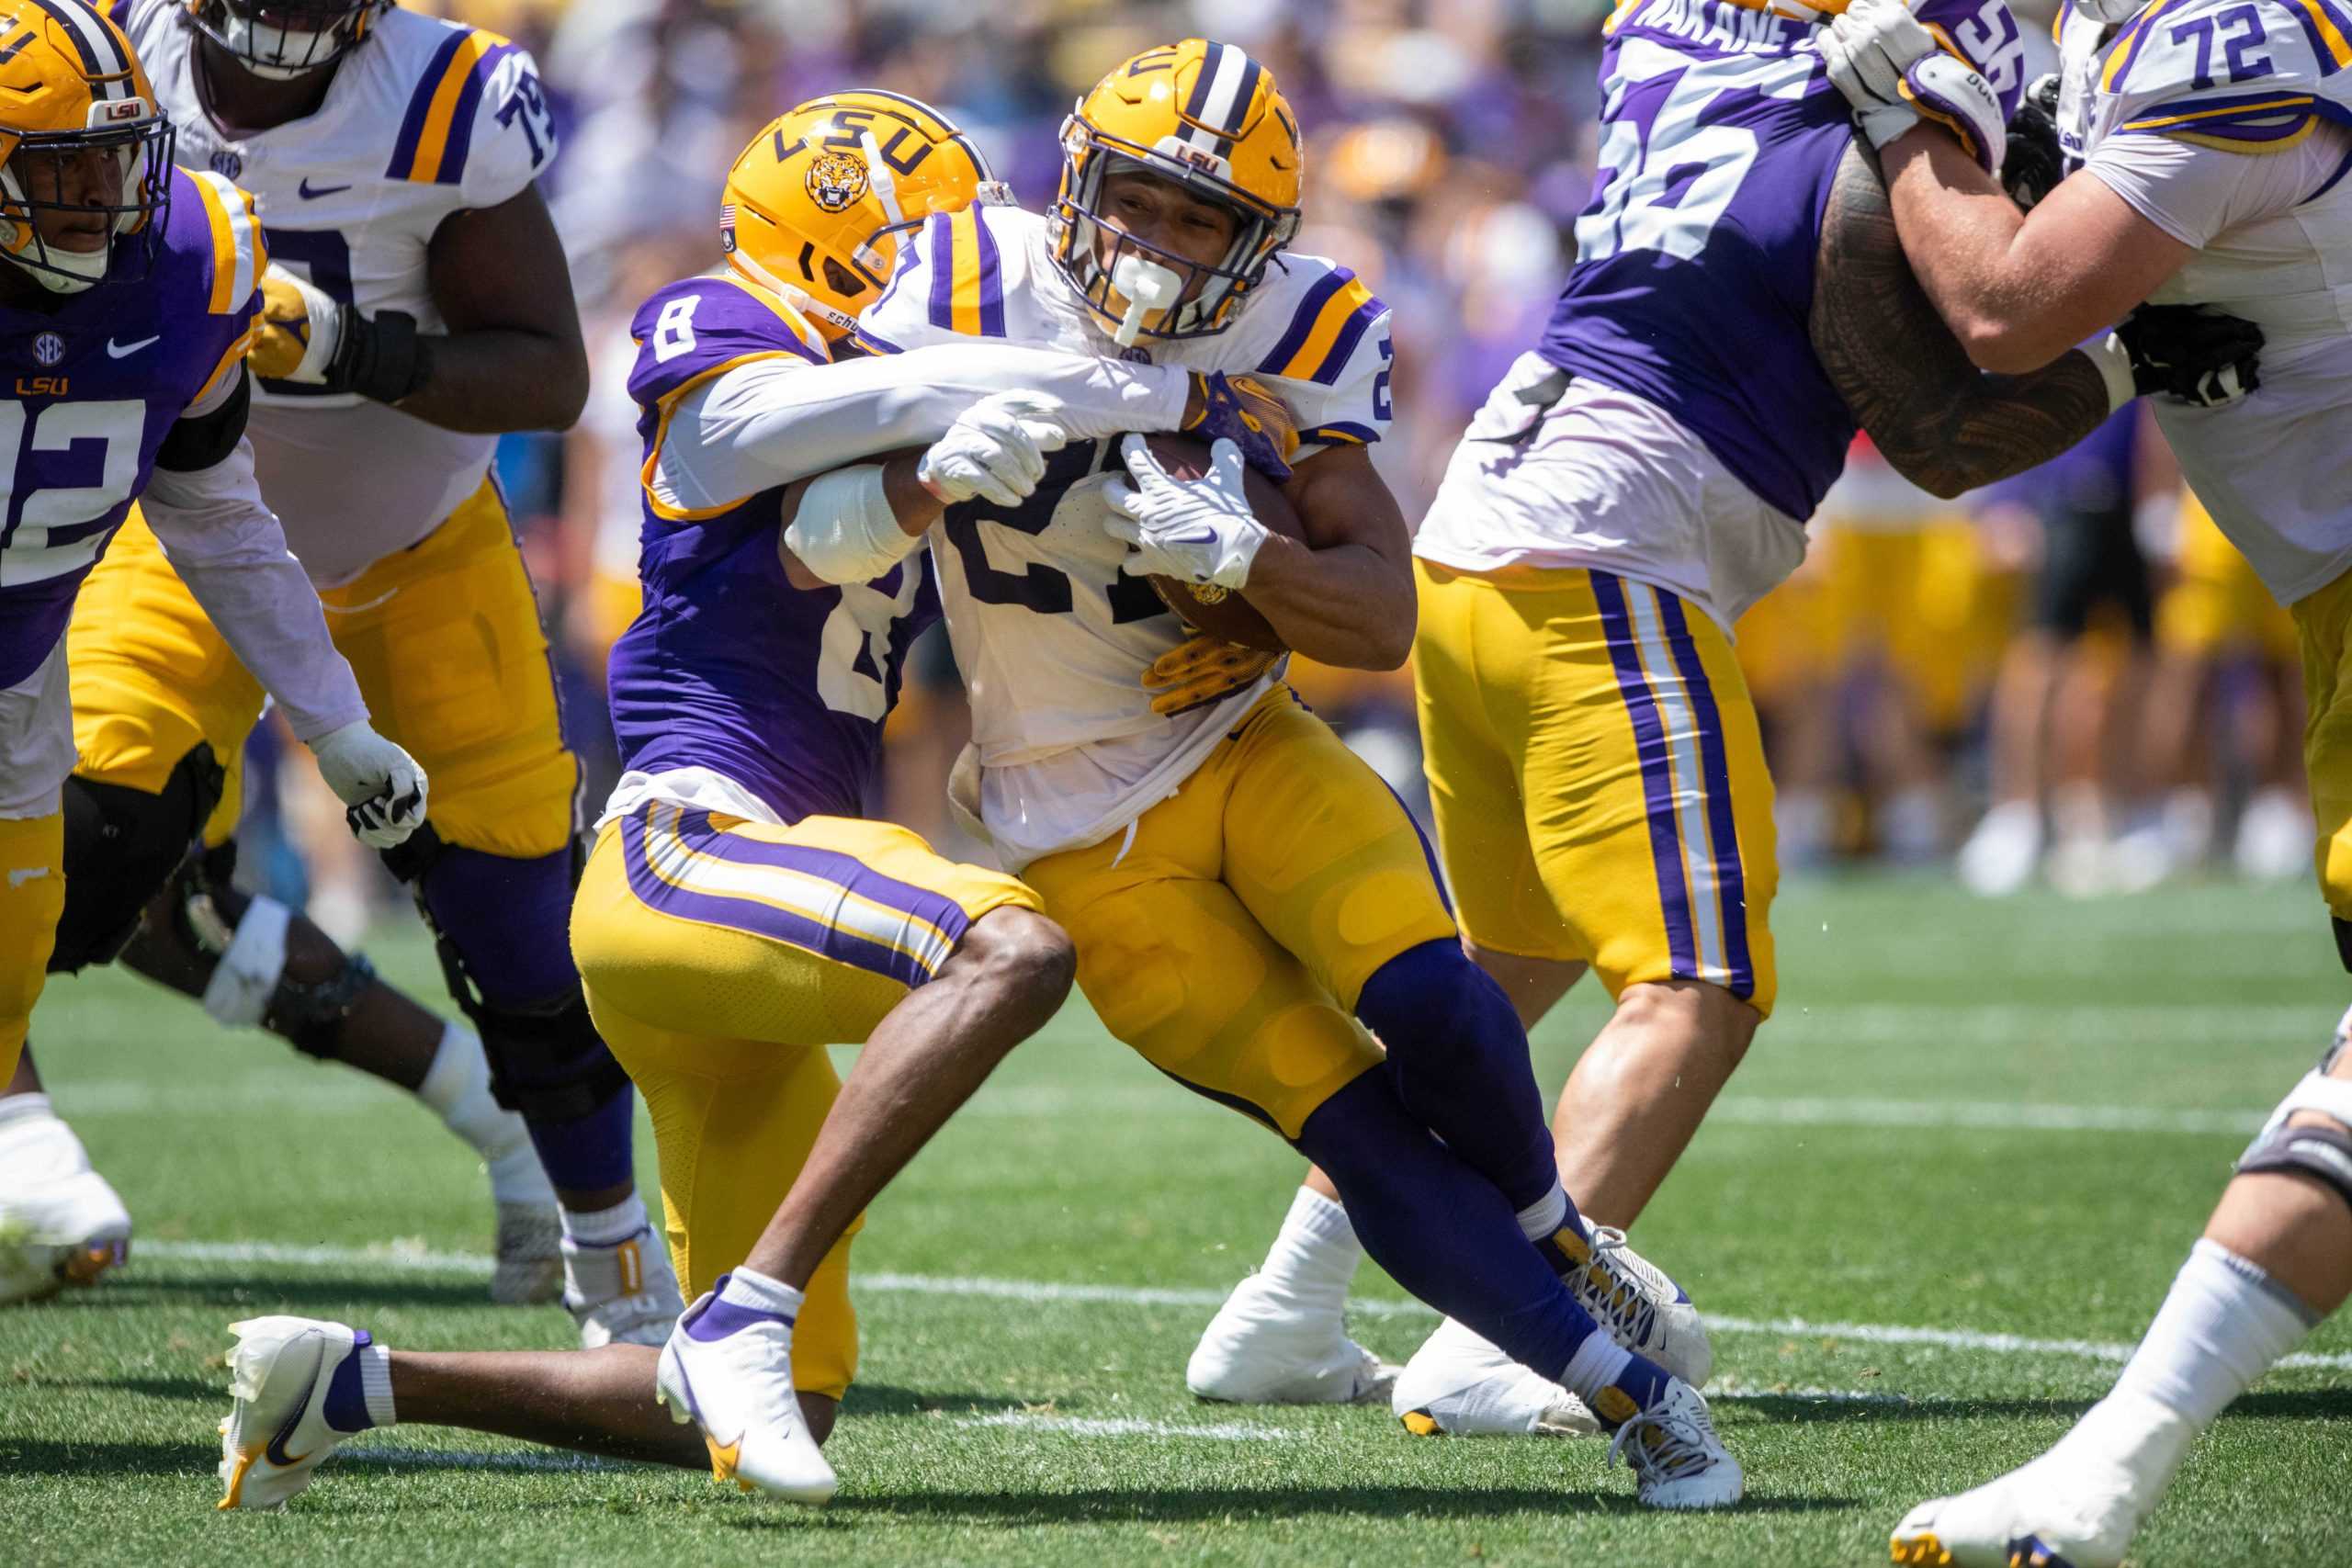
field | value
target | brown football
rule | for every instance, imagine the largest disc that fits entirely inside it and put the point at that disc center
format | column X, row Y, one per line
column 1217, row 611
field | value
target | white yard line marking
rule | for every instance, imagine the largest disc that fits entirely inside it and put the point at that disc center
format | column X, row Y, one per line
column 1095, row 1427
column 414, row 1257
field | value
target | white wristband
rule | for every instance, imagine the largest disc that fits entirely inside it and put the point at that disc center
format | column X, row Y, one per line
column 844, row 530
column 2114, row 362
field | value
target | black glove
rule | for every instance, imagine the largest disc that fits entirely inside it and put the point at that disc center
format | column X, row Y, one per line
column 2033, row 166
column 2191, row 353
column 377, row 357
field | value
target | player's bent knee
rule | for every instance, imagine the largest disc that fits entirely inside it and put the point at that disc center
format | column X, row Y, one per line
column 1688, row 1011
column 121, row 846
column 2293, row 1144
column 1025, row 959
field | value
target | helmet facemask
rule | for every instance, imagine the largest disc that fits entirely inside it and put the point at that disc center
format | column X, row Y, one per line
column 283, row 40
column 1210, row 291
column 138, row 142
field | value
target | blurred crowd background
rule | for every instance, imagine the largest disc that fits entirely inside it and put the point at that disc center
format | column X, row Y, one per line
column 2069, row 678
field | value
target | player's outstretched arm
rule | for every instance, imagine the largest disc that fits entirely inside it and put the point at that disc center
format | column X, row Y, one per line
column 206, row 512
column 1944, row 425
column 512, row 358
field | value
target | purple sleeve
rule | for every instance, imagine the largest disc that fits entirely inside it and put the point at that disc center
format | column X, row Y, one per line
column 690, row 329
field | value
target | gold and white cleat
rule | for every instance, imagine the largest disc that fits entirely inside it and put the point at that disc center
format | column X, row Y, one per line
column 2073, row 1507
column 1633, row 1300
column 282, row 1375
column 621, row 1295
column 1674, row 1453
column 738, row 1388
column 1459, row 1384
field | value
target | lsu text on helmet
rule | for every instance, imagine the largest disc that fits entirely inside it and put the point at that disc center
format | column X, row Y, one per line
column 86, row 156
column 818, row 207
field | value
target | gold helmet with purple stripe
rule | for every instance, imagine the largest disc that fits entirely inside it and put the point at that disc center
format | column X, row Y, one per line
column 818, row 207
column 1205, row 116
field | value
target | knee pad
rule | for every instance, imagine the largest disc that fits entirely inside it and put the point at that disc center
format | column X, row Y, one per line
column 121, row 846
column 547, row 1061
column 236, row 945
column 2323, row 1154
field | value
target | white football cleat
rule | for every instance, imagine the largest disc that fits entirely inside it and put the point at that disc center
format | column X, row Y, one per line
column 2076, row 1506
column 530, row 1255
column 1262, row 1347
column 1673, row 1450
column 1634, row 1300
column 737, row 1389
column 61, row 1224
column 276, row 1435
column 621, row 1295
column 1459, row 1384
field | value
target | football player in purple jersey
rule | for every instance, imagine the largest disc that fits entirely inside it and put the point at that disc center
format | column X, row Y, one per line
column 128, row 295
column 1738, row 306
column 740, row 911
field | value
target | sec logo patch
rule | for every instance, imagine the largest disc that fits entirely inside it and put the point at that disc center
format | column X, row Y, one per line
column 47, row 348
column 227, row 165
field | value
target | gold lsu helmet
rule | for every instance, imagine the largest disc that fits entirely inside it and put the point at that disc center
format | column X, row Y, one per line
column 818, row 207
column 1209, row 118
column 76, row 109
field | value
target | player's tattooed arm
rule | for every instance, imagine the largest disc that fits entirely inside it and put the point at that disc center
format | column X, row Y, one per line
column 1945, row 425
column 512, row 358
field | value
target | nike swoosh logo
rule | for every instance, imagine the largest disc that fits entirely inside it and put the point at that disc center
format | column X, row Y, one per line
column 308, row 193
column 19, row 875
column 1193, row 537
column 276, row 1450
column 125, row 350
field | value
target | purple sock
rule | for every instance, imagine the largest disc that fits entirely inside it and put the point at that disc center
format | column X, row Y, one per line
column 1460, row 1064
column 715, row 1316
column 1440, row 1229
column 510, row 918
column 346, row 1408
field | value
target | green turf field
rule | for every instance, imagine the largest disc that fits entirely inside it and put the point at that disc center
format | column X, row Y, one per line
column 1999, row 1124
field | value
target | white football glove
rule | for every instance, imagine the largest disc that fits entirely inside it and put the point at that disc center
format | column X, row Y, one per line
column 1197, row 531
column 1893, row 73
column 382, row 786
column 996, row 450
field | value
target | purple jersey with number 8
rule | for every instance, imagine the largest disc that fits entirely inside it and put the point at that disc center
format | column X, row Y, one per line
column 1693, row 281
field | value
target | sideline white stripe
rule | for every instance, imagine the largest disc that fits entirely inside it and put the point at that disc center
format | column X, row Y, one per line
column 401, row 1258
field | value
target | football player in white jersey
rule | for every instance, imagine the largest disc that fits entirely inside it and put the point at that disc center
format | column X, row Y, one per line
column 130, row 286
column 2210, row 139
column 420, row 306
column 1250, row 903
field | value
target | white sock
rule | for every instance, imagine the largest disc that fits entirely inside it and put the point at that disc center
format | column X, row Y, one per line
column 25, row 1108
column 1598, row 1362
column 1546, row 1215
column 2222, row 1325
column 375, row 1383
column 1315, row 1254
column 457, row 1085
column 605, row 1227
column 751, row 1289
